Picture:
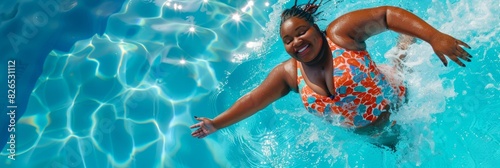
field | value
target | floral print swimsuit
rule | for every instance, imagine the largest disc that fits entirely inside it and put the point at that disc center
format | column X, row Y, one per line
column 362, row 92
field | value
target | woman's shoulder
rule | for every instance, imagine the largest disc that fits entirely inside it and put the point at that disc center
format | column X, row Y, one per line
column 288, row 70
column 342, row 39
column 290, row 66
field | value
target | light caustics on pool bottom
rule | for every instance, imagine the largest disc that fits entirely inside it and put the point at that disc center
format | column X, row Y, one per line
column 119, row 99
column 127, row 98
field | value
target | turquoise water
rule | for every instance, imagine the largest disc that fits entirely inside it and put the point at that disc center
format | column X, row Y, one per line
column 116, row 84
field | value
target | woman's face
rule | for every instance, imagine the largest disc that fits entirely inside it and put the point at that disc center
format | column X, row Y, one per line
column 301, row 39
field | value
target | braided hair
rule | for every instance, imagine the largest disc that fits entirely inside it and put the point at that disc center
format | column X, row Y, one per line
column 305, row 11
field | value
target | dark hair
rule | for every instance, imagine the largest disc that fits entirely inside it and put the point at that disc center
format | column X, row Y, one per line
column 305, row 11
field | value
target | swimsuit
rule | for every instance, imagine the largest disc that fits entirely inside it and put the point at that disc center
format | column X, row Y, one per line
column 362, row 92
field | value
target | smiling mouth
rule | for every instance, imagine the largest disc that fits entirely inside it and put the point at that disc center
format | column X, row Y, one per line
column 302, row 52
column 303, row 49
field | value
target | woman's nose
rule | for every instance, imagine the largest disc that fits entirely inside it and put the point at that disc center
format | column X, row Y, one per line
column 297, row 42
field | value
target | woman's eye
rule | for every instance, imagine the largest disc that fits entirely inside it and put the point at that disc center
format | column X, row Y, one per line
column 303, row 31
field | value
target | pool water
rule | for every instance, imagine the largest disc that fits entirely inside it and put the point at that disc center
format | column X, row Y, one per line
column 117, row 83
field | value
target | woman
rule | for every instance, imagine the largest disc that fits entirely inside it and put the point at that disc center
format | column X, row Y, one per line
column 333, row 72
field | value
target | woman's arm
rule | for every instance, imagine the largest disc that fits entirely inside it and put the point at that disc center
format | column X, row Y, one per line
column 352, row 29
column 275, row 86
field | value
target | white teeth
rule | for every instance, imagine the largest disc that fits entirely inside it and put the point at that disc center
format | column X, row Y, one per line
column 304, row 48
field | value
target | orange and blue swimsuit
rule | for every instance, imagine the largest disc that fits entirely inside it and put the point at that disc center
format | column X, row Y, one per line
column 362, row 92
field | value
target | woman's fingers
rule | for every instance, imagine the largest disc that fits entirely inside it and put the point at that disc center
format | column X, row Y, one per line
column 465, row 56
column 442, row 58
column 205, row 127
column 460, row 53
column 200, row 133
column 463, row 44
column 445, row 45
column 196, row 125
column 202, row 130
column 196, row 133
column 457, row 53
column 456, row 60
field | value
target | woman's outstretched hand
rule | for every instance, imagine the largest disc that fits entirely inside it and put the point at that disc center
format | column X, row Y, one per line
column 444, row 44
column 205, row 127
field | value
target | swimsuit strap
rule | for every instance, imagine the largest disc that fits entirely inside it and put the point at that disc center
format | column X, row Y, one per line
column 301, row 83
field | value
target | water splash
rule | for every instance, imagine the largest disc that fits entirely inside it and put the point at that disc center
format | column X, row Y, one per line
column 421, row 118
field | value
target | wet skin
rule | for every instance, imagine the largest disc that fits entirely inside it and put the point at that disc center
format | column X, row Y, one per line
column 349, row 31
column 306, row 44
